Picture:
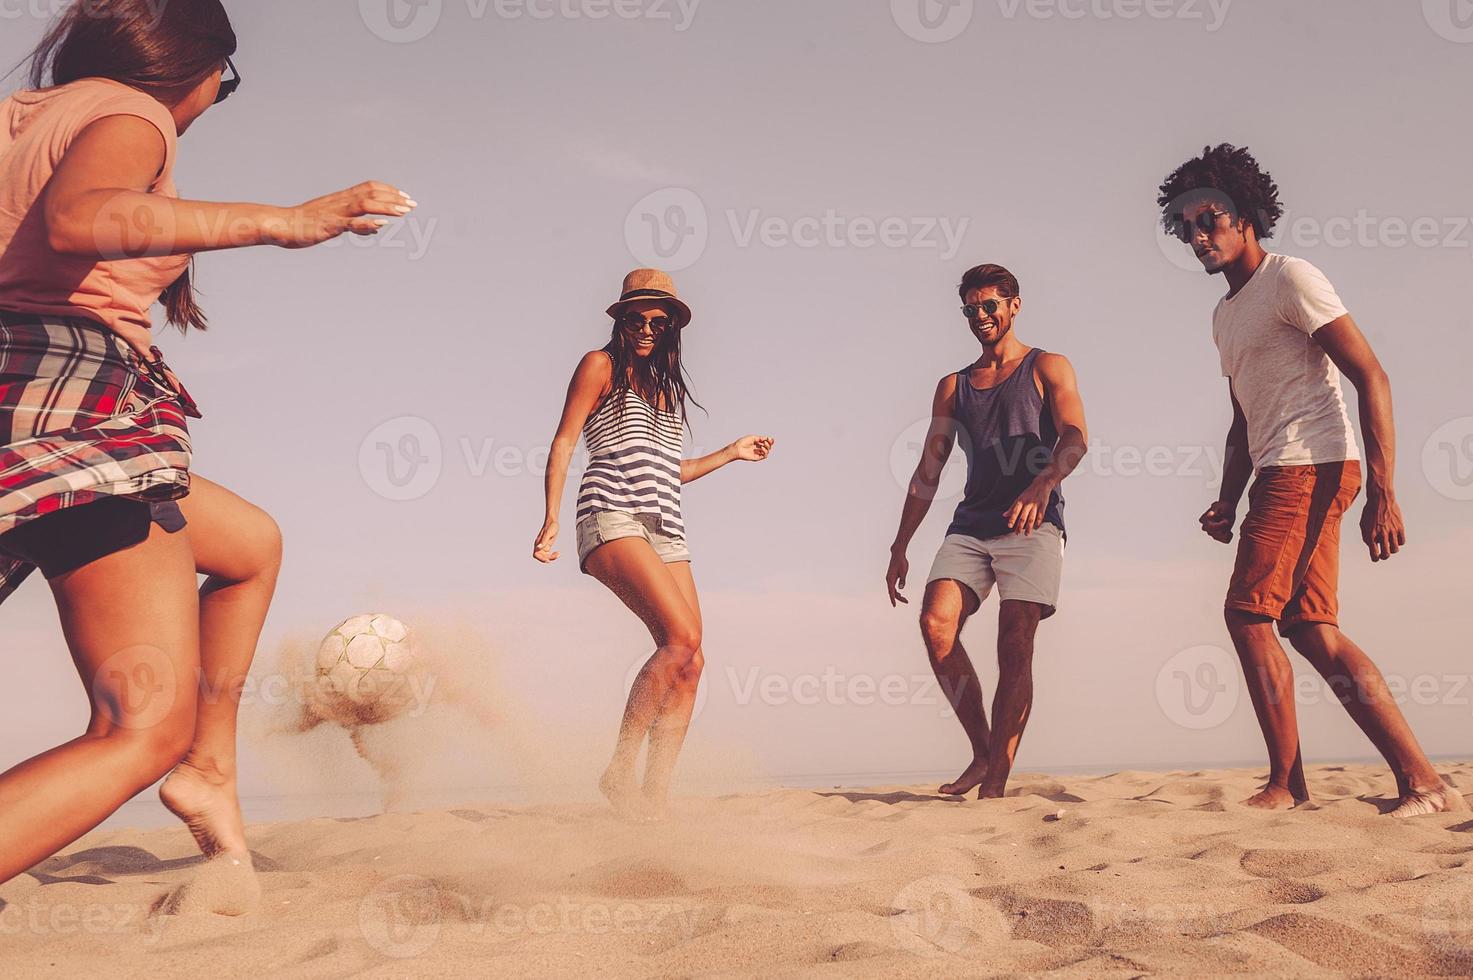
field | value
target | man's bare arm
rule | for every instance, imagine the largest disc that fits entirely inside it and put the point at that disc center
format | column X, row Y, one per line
column 1382, row 527
column 940, row 439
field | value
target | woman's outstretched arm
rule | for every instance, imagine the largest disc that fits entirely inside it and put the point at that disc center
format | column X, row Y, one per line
column 753, row 449
column 97, row 204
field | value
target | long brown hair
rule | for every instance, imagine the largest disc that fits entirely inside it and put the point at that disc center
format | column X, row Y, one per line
column 162, row 47
column 660, row 377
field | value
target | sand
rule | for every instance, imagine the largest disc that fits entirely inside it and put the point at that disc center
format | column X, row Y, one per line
column 1122, row 875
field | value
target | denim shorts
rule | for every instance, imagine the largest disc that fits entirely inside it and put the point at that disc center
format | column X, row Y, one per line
column 601, row 527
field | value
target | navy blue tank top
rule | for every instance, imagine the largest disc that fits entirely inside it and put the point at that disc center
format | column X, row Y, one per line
column 1008, row 435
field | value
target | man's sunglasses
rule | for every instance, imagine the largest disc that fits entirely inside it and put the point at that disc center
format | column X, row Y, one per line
column 988, row 306
column 228, row 85
column 634, row 323
column 1205, row 222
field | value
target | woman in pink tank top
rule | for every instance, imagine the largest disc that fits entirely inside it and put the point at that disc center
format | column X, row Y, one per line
column 95, row 481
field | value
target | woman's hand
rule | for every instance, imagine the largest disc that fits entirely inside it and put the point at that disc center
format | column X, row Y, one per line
column 346, row 212
column 753, row 449
column 542, row 549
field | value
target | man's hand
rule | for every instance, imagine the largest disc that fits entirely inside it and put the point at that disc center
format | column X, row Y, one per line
column 895, row 577
column 1381, row 525
column 1027, row 513
column 1218, row 522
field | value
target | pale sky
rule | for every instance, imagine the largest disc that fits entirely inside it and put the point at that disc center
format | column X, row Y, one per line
column 819, row 174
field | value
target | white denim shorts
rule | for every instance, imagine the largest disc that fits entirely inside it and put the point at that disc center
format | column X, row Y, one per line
column 1027, row 568
column 601, row 527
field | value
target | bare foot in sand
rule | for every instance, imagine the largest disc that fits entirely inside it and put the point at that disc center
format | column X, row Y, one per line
column 967, row 781
column 207, row 804
column 1419, row 803
column 1274, row 798
column 991, row 791
column 623, row 794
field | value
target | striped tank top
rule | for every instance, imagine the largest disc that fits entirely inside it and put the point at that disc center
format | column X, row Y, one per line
column 634, row 461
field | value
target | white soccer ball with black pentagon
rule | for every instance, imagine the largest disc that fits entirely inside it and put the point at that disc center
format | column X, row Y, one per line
column 363, row 670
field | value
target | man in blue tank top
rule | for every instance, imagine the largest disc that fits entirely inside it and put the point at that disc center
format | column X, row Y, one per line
column 1017, row 413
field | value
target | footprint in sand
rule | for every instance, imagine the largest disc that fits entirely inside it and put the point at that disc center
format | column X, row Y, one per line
column 224, row 886
column 1268, row 863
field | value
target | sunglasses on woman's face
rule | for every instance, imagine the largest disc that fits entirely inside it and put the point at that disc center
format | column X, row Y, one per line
column 1205, row 222
column 634, row 323
column 988, row 306
column 228, row 85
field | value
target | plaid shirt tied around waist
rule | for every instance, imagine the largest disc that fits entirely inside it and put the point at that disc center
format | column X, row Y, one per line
column 83, row 417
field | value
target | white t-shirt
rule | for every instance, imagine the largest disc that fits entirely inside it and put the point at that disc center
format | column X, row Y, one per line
column 1288, row 386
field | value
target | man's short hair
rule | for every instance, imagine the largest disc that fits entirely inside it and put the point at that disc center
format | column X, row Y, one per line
column 989, row 276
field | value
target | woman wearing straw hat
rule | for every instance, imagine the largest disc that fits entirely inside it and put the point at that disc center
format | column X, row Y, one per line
column 628, row 401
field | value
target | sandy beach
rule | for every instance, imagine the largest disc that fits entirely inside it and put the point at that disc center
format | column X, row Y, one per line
column 1127, row 874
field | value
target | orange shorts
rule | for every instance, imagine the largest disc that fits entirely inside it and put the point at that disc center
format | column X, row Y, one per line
column 1289, row 557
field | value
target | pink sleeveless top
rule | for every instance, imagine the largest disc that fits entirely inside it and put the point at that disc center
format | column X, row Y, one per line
column 36, row 128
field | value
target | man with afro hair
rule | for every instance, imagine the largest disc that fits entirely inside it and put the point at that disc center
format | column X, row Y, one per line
column 1285, row 341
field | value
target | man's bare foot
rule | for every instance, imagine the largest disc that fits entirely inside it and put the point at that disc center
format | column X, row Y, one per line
column 1420, row 803
column 623, row 794
column 963, row 784
column 207, row 804
column 1274, row 798
column 992, row 791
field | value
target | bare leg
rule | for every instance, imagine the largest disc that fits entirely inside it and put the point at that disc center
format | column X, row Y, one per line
column 1270, row 680
column 631, row 570
column 131, row 621
column 1017, row 624
column 1360, row 688
column 239, row 547
column 947, row 606
column 667, row 734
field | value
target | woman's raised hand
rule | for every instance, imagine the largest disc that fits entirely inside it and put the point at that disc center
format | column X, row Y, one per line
column 753, row 449
column 353, row 211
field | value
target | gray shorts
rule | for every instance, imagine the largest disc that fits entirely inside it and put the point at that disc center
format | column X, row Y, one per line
column 603, row 526
column 1024, row 567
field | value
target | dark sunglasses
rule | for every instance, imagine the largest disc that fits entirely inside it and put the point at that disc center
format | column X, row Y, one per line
column 1205, row 222
column 634, row 323
column 988, row 306
column 228, row 85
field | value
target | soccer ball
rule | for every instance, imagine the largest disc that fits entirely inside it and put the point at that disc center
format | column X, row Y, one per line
column 363, row 671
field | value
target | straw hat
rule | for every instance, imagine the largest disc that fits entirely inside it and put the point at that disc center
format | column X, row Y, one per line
column 651, row 284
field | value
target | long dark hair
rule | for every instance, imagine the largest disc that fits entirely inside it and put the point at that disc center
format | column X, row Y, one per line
column 660, row 377
column 162, row 47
